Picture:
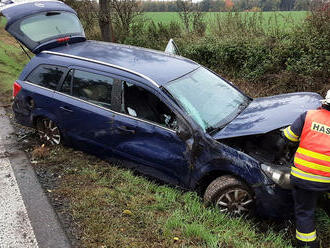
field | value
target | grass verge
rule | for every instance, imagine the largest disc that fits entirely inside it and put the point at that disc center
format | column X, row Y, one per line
column 112, row 207
column 12, row 61
column 115, row 208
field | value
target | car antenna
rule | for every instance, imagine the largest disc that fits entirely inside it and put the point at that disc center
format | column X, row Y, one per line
column 23, row 49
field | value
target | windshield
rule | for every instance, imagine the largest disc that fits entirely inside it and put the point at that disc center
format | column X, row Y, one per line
column 51, row 24
column 207, row 98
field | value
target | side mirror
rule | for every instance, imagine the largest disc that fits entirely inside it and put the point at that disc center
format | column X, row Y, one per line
column 183, row 131
column 172, row 48
column 183, row 134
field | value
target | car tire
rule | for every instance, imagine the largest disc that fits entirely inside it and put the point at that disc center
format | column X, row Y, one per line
column 48, row 131
column 230, row 195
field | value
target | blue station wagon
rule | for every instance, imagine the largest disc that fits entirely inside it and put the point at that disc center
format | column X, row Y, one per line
column 166, row 116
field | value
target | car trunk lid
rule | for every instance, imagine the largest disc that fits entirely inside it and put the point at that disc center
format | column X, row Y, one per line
column 41, row 25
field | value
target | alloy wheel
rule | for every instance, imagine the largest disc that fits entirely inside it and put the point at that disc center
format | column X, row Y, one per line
column 49, row 132
column 237, row 202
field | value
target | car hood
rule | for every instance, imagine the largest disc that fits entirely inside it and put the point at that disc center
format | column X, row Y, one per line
column 269, row 113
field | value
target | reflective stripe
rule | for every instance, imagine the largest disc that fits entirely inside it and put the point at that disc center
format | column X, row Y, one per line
column 306, row 237
column 308, row 176
column 312, row 165
column 290, row 135
column 313, row 154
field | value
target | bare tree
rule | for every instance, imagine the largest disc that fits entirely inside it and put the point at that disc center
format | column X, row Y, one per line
column 186, row 11
column 87, row 11
column 114, row 16
column 125, row 13
column 105, row 21
column 191, row 17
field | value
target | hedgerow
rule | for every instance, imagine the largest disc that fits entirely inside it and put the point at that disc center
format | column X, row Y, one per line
column 240, row 47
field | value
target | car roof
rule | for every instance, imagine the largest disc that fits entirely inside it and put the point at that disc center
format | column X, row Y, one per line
column 158, row 66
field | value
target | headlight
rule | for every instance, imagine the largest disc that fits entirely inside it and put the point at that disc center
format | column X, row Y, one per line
column 280, row 176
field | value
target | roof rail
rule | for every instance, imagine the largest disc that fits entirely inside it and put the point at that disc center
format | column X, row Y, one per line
column 104, row 63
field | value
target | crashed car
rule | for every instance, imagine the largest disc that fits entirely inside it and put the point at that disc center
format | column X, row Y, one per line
column 167, row 116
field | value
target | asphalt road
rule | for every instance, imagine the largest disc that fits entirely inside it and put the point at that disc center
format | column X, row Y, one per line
column 26, row 217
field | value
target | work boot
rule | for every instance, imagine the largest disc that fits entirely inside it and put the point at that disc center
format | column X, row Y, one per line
column 313, row 244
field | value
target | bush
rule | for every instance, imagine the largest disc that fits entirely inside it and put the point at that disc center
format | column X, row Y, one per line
column 312, row 45
column 151, row 34
column 293, row 60
column 241, row 48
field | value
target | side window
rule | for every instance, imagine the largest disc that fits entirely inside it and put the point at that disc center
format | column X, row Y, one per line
column 47, row 76
column 66, row 86
column 91, row 87
column 141, row 103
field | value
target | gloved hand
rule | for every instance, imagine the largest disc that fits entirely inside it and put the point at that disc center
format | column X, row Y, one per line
column 281, row 148
column 281, row 144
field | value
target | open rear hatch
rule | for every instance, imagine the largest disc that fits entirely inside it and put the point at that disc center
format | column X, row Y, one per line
column 42, row 25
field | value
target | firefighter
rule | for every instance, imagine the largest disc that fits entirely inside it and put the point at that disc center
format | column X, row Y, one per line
column 310, row 174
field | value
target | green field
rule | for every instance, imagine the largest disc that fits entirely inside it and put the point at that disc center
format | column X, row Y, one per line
column 282, row 18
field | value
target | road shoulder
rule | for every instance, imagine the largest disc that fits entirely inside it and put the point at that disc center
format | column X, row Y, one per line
column 46, row 226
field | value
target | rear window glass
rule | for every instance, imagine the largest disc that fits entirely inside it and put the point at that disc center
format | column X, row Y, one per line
column 47, row 76
column 51, row 24
column 91, row 87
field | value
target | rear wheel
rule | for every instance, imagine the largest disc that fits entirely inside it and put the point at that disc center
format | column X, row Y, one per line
column 48, row 131
column 230, row 195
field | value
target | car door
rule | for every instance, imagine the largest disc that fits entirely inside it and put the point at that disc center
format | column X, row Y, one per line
column 144, row 130
column 82, row 105
column 42, row 25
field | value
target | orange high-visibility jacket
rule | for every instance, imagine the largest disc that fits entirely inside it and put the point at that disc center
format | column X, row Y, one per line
column 313, row 154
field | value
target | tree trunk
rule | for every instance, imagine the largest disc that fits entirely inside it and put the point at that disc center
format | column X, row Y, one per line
column 105, row 20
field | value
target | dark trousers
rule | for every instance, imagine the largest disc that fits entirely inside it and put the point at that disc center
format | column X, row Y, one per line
column 305, row 204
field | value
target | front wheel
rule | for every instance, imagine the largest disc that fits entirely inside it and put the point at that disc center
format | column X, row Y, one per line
column 230, row 195
column 48, row 131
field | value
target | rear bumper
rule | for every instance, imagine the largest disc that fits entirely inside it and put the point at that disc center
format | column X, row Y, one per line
column 22, row 117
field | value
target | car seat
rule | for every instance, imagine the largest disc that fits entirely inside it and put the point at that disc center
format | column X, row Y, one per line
column 137, row 99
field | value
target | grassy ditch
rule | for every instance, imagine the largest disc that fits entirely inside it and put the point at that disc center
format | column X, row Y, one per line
column 104, row 205
column 112, row 207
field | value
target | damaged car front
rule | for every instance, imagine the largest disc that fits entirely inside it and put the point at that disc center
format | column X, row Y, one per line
column 238, row 164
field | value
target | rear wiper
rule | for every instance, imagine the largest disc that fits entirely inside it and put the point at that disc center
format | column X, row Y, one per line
column 58, row 30
column 52, row 13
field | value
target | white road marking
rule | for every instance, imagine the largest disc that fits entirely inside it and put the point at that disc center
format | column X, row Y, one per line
column 15, row 227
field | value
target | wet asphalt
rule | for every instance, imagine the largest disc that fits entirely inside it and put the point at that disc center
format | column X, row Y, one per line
column 27, row 219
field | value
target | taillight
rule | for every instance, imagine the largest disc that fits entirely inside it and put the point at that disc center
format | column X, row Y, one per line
column 16, row 88
column 64, row 39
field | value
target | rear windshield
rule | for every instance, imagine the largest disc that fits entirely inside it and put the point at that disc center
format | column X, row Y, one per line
column 51, row 24
column 47, row 76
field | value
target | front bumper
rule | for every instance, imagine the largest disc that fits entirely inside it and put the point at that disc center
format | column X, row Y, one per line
column 273, row 201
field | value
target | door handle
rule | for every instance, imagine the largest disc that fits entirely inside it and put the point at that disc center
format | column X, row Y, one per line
column 66, row 109
column 126, row 130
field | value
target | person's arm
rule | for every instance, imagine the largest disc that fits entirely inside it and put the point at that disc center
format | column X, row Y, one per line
column 294, row 131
